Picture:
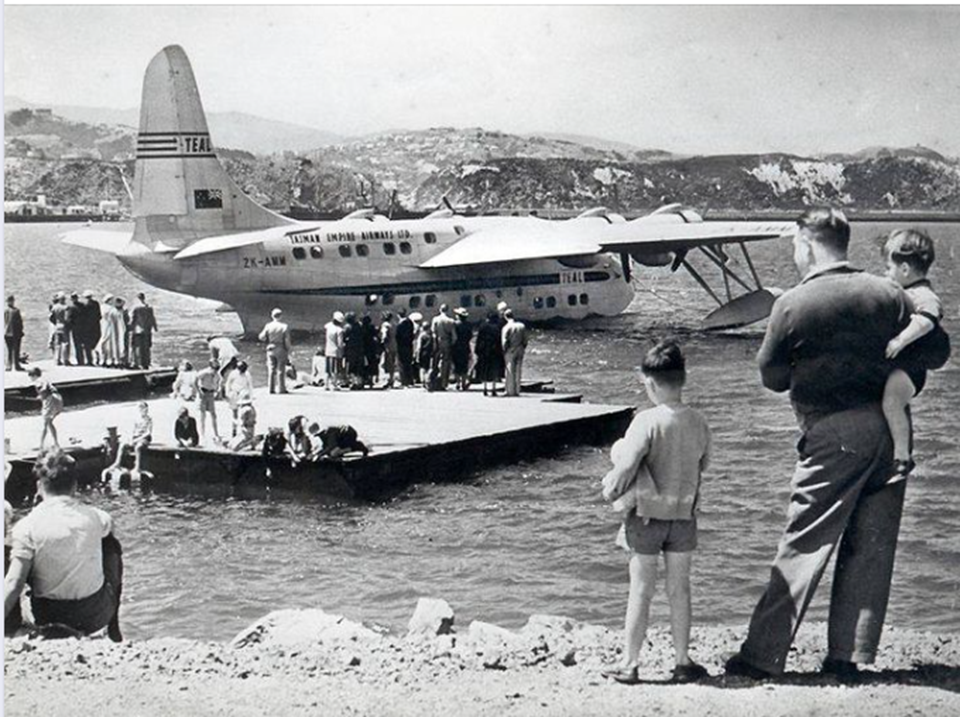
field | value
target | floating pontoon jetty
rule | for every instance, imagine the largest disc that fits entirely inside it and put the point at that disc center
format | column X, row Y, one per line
column 414, row 436
column 83, row 384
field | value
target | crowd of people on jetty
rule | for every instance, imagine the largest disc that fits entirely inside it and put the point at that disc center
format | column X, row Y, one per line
column 447, row 350
column 86, row 332
column 410, row 351
column 851, row 349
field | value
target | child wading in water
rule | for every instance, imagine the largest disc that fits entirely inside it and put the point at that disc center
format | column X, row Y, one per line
column 655, row 479
column 909, row 254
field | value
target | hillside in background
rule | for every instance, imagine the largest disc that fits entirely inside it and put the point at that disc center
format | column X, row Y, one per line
column 76, row 162
column 230, row 129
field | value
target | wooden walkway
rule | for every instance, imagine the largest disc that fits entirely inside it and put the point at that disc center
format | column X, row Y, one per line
column 82, row 384
column 413, row 435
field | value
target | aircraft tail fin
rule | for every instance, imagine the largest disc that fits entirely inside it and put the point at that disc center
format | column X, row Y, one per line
column 181, row 192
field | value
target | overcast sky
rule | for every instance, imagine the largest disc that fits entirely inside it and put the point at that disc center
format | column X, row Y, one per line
column 687, row 79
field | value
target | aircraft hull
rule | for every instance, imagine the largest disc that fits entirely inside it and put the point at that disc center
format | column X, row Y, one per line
column 537, row 291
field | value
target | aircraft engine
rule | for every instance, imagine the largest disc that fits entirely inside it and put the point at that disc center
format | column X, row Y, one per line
column 580, row 261
column 664, row 259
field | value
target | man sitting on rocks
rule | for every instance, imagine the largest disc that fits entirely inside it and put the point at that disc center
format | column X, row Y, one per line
column 67, row 552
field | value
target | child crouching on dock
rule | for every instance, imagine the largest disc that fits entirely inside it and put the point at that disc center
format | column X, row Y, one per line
column 655, row 480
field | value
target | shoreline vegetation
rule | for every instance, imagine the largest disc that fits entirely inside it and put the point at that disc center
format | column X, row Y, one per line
column 294, row 662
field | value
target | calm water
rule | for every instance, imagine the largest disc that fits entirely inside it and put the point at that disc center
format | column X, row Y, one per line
column 527, row 538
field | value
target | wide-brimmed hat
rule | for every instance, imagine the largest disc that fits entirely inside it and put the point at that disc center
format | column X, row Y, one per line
column 416, row 316
column 88, row 294
column 338, row 316
column 107, row 298
column 461, row 312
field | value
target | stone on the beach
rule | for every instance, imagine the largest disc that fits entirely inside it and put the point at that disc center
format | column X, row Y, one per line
column 432, row 616
column 548, row 625
column 303, row 628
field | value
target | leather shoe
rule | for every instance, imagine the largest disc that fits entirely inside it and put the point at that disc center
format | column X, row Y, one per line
column 736, row 666
column 691, row 672
column 843, row 670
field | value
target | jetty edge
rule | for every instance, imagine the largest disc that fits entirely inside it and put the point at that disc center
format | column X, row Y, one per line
column 414, row 436
column 308, row 661
column 84, row 384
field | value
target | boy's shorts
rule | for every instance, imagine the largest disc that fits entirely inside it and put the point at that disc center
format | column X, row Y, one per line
column 649, row 536
column 208, row 400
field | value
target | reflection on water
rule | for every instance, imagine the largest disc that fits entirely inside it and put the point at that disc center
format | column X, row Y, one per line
column 532, row 537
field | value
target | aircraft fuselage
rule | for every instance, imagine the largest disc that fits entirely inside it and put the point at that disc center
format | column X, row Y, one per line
column 311, row 270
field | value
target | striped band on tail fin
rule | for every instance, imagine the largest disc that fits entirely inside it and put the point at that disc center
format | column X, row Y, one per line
column 181, row 192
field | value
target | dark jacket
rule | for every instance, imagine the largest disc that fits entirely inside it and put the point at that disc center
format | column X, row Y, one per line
column 12, row 323
column 826, row 339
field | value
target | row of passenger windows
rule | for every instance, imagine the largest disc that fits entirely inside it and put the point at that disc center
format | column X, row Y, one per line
column 468, row 301
column 348, row 250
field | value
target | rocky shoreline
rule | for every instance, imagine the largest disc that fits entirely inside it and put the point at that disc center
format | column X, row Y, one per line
column 308, row 661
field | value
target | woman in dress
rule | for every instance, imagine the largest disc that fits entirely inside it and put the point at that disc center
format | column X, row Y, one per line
column 489, row 353
column 112, row 333
column 463, row 333
column 239, row 386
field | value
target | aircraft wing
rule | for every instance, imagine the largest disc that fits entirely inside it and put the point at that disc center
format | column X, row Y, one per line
column 504, row 242
column 514, row 239
column 106, row 241
column 212, row 245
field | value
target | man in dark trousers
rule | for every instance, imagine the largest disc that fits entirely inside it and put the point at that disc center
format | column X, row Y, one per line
column 825, row 343
column 86, row 331
column 75, row 328
column 406, row 333
column 142, row 325
column 12, row 334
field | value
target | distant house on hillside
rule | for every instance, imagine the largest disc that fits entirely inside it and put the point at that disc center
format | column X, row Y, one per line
column 109, row 209
column 34, row 208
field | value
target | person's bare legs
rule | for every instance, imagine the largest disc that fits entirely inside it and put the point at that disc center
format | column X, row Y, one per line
column 897, row 395
column 678, row 594
column 121, row 450
column 213, row 422
column 49, row 428
column 138, row 455
column 643, row 581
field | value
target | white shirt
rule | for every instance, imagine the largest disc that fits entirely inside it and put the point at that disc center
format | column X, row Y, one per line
column 225, row 349
column 62, row 537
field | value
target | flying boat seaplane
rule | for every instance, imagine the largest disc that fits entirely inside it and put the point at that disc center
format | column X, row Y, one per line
column 195, row 232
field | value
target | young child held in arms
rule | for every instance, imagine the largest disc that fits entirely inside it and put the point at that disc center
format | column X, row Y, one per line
column 909, row 254
column 655, row 479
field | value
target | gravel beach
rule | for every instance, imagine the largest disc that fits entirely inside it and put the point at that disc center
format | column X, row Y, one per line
column 309, row 662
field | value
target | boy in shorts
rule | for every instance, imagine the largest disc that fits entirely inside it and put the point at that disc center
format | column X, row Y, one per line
column 909, row 254
column 655, row 479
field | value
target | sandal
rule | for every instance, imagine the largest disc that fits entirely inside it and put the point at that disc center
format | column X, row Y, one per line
column 623, row 675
